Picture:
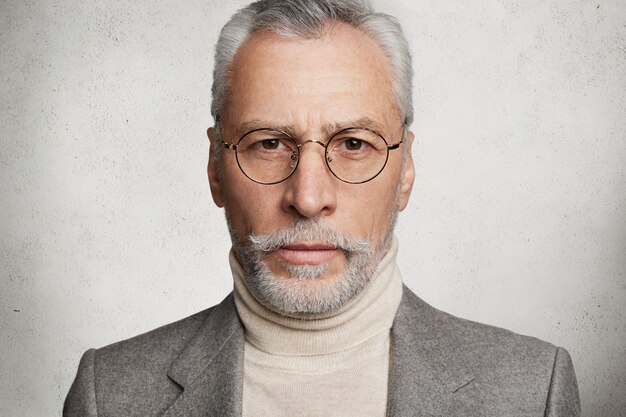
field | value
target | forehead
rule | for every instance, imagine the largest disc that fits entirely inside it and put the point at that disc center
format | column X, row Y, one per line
column 309, row 83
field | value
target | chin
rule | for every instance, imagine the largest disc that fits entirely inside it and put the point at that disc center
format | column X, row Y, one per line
column 308, row 289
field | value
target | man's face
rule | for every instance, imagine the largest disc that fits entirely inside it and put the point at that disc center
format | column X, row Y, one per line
column 313, row 88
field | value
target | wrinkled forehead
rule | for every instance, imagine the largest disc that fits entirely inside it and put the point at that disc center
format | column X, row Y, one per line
column 341, row 75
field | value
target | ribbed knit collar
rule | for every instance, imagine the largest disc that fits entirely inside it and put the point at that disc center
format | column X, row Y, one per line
column 367, row 315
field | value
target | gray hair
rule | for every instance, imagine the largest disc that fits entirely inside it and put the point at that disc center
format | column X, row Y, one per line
column 312, row 19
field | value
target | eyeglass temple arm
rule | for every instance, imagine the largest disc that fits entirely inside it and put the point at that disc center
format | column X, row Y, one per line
column 231, row 146
column 397, row 145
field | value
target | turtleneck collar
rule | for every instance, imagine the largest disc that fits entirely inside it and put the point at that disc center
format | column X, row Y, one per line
column 369, row 314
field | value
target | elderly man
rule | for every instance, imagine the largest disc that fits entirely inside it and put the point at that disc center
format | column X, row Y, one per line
column 310, row 156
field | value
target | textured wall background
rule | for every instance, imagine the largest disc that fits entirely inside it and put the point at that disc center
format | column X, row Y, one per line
column 518, row 215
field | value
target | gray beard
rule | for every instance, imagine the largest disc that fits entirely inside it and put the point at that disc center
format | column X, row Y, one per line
column 302, row 292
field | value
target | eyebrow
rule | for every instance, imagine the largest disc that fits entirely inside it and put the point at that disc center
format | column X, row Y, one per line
column 328, row 129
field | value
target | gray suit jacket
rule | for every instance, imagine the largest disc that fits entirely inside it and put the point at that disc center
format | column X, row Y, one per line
column 440, row 366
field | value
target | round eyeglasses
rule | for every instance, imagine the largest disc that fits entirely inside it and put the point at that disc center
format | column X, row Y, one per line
column 353, row 155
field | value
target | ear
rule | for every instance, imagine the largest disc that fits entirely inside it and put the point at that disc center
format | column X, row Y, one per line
column 212, row 169
column 406, row 184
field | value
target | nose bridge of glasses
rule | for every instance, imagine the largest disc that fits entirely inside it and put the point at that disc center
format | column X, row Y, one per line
column 322, row 144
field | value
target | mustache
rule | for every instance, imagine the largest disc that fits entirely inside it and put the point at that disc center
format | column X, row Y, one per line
column 309, row 230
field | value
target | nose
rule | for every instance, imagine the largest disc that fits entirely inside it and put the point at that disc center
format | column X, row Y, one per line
column 310, row 191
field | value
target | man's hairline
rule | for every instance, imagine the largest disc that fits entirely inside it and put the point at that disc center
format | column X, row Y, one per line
column 327, row 30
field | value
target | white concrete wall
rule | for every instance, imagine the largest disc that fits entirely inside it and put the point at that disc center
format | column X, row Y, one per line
column 518, row 215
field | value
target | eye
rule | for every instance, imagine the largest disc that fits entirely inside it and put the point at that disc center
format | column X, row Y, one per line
column 268, row 144
column 265, row 143
column 353, row 144
column 271, row 144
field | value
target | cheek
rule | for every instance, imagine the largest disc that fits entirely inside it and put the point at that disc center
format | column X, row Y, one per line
column 246, row 210
column 252, row 207
column 366, row 209
column 382, row 203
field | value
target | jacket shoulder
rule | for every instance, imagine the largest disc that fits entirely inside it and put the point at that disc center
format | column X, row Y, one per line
column 130, row 377
column 483, row 343
column 162, row 343
column 498, row 369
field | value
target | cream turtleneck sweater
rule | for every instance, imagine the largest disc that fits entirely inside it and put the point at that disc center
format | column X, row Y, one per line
column 333, row 365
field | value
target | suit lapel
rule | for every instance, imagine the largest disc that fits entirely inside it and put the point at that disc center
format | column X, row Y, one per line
column 210, row 369
column 424, row 373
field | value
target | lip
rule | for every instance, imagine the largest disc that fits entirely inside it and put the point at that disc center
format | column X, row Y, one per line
column 308, row 253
